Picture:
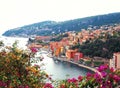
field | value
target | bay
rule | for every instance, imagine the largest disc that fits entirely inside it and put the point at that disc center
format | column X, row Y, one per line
column 57, row 69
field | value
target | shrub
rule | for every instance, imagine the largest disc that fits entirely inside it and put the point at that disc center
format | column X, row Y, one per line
column 105, row 78
column 16, row 70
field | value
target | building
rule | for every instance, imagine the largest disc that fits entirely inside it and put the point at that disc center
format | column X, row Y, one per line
column 78, row 56
column 43, row 38
column 115, row 61
column 33, row 45
column 70, row 54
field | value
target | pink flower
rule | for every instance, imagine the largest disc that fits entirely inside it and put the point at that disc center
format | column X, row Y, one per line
column 26, row 86
column 48, row 85
column 74, row 80
column 102, row 68
column 104, row 74
column 116, row 78
column 97, row 77
column 110, row 75
column 109, row 84
column 80, row 78
column 103, row 86
column 112, row 69
column 69, row 80
column 34, row 50
column 2, row 84
column 89, row 76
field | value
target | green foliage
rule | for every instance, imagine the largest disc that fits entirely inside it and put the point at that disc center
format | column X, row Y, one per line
column 88, row 63
column 41, row 42
column 1, row 43
column 81, row 61
column 101, row 48
column 33, row 29
column 98, row 63
column 16, row 72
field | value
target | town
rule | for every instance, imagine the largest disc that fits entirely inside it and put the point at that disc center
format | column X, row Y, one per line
column 64, row 46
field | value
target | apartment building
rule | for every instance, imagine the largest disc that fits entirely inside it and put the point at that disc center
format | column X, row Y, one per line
column 115, row 61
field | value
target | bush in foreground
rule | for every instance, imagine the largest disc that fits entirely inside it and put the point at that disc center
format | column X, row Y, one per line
column 105, row 78
column 16, row 70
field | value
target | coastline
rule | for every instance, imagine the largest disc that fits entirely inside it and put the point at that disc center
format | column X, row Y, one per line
column 80, row 65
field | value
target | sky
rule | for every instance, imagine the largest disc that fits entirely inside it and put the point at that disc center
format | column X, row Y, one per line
column 16, row 13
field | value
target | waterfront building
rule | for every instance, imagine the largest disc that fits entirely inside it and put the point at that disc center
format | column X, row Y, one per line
column 70, row 54
column 115, row 61
column 78, row 56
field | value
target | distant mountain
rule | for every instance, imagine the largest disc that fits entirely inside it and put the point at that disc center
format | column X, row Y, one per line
column 52, row 27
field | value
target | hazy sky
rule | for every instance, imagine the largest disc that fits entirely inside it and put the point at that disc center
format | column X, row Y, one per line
column 15, row 13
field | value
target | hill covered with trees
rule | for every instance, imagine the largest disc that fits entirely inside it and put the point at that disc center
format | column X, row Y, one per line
column 52, row 27
column 101, row 47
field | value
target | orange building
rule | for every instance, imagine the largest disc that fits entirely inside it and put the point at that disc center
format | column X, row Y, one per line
column 56, row 48
column 115, row 62
column 45, row 38
column 77, row 56
column 33, row 45
column 57, row 52
column 70, row 54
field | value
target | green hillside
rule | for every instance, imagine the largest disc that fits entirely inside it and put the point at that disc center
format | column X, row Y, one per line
column 52, row 27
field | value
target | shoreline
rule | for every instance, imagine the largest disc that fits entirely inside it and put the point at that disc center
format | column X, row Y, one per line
column 80, row 65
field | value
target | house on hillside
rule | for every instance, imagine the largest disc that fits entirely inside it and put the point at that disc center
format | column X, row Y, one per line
column 43, row 38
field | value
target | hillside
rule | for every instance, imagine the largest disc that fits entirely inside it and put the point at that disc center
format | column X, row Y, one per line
column 52, row 27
